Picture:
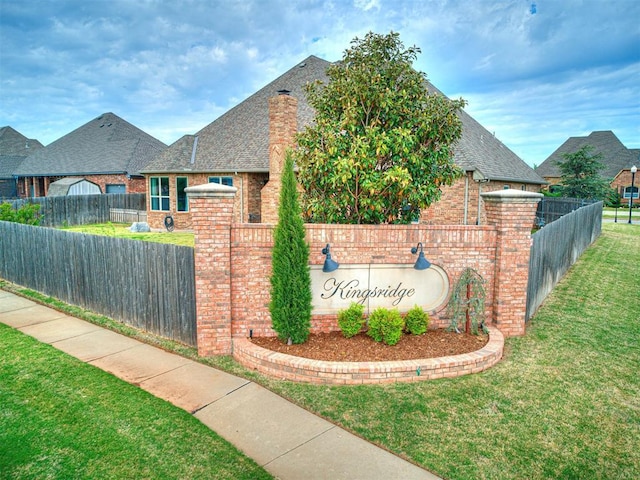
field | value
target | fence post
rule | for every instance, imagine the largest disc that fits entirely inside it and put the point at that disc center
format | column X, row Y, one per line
column 512, row 212
column 211, row 208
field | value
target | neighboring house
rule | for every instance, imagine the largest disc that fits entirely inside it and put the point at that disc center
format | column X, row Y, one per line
column 616, row 158
column 245, row 148
column 622, row 182
column 107, row 151
column 14, row 148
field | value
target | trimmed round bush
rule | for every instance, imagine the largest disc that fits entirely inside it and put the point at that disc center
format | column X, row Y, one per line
column 351, row 320
column 416, row 321
column 386, row 325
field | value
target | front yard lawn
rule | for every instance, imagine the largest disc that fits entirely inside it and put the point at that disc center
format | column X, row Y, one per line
column 61, row 418
column 121, row 230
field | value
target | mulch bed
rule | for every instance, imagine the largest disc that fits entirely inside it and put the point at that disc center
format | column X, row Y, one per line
column 362, row 348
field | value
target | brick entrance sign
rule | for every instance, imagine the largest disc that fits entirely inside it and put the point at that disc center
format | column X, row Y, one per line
column 233, row 262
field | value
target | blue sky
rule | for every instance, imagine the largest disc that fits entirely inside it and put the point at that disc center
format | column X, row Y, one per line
column 172, row 67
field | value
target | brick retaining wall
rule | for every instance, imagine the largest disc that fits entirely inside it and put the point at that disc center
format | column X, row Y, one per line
column 288, row 367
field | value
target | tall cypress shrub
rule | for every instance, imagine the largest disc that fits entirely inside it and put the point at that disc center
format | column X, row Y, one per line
column 290, row 304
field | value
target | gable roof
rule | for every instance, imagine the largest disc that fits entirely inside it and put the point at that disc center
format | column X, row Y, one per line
column 13, row 143
column 14, row 148
column 105, row 145
column 615, row 156
column 481, row 152
column 238, row 141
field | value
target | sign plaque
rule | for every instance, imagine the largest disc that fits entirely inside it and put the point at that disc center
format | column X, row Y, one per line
column 391, row 286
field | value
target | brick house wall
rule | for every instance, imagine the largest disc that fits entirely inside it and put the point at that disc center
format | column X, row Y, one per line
column 246, row 208
column 41, row 184
column 234, row 261
column 622, row 181
column 450, row 209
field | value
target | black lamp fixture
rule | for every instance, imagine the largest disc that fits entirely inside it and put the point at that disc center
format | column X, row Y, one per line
column 421, row 263
column 329, row 264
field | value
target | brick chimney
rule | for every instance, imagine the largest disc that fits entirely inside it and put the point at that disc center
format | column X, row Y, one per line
column 283, row 125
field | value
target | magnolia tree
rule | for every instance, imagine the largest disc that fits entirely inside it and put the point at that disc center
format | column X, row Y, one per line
column 381, row 145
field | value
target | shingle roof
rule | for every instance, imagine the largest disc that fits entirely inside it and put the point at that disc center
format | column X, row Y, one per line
column 615, row 156
column 480, row 151
column 238, row 140
column 105, row 145
column 9, row 164
column 14, row 148
column 13, row 143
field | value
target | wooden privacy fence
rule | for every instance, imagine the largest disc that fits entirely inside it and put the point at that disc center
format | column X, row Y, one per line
column 147, row 285
column 82, row 209
column 556, row 247
column 551, row 209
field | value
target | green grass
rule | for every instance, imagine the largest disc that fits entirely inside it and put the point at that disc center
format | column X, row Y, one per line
column 64, row 419
column 563, row 403
column 121, row 230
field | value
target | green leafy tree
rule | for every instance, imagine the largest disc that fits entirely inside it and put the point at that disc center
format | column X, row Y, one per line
column 290, row 304
column 580, row 172
column 381, row 145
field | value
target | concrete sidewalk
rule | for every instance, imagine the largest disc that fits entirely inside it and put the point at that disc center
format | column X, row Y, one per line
column 288, row 441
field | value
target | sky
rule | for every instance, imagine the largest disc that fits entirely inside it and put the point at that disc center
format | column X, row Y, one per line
column 534, row 72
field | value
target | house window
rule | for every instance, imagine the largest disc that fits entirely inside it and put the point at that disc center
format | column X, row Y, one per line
column 506, row 187
column 181, row 196
column 222, row 180
column 159, row 193
column 627, row 192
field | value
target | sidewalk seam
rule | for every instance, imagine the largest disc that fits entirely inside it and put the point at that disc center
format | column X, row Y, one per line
column 331, row 427
column 225, row 395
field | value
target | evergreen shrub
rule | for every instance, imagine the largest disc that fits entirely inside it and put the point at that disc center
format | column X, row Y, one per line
column 290, row 305
column 351, row 320
column 386, row 325
column 416, row 321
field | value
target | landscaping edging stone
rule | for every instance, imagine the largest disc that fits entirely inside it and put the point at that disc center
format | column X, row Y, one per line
column 298, row 369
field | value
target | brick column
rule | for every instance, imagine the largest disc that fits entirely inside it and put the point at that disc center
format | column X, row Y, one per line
column 211, row 208
column 283, row 125
column 512, row 212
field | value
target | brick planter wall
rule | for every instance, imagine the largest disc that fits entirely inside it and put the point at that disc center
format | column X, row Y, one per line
column 288, row 367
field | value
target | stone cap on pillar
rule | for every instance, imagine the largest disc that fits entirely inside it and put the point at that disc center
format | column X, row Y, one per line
column 511, row 195
column 211, row 190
